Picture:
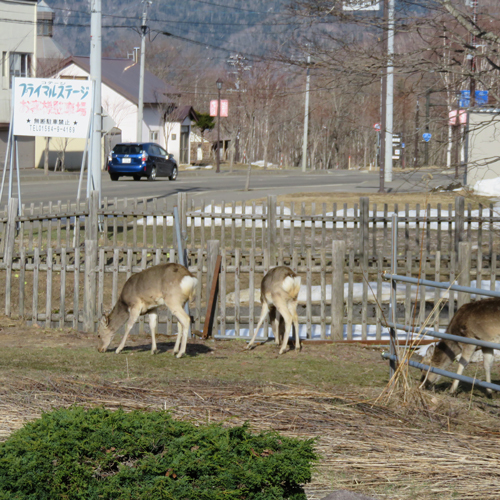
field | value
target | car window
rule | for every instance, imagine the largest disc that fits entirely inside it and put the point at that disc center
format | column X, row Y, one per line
column 162, row 151
column 153, row 150
column 127, row 149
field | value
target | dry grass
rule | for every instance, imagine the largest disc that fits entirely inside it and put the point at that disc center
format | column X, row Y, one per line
column 365, row 447
column 402, row 199
column 415, row 444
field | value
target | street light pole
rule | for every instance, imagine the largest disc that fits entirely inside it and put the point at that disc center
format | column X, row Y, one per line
column 219, row 87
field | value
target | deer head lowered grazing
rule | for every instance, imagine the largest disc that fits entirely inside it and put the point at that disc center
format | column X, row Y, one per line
column 171, row 285
column 477, row 320
column 278, row 293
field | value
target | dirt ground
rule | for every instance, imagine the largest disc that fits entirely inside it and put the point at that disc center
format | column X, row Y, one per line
column 388, row 443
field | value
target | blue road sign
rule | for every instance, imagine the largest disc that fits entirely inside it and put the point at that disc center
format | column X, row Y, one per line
column 481, row 98
column 427, row 137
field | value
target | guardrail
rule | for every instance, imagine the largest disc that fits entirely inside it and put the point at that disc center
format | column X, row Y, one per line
column 393, row 326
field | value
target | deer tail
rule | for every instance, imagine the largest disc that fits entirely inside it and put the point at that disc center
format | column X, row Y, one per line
column 188, row 286
column 291, row 285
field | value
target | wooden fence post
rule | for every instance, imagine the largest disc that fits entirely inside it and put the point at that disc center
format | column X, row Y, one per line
column 464, row 267
column 8, row 249
column 213, row 247
column 338, row 268
column 364, row 234
column 271, row 228
column 459, row 220
column 91, row 246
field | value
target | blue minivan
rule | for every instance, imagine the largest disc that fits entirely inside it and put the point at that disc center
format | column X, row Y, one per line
column 137, row 160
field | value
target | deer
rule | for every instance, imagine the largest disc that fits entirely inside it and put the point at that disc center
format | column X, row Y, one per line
column 476, row 320
column 278, row 293
column 170, row 285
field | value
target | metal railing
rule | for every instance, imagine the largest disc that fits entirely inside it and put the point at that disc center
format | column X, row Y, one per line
column 393, row 326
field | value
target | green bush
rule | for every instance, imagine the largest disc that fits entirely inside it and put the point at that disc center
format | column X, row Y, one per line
column 76, row 453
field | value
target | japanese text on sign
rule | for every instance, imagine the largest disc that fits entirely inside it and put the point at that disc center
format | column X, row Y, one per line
column 51, row 107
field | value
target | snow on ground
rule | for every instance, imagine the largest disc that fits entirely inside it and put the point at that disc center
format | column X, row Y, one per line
column 317, row 296
column 261, row 164
column 198, row 167
column 488, row 187
column 316, row 333
column 328, row 225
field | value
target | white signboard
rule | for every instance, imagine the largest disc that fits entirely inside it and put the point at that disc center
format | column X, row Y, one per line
column 52, row 107
column 361, row 5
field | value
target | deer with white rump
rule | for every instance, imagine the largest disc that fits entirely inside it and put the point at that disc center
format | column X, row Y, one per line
column 477, row 320
column 170, row 285
column 278, row 293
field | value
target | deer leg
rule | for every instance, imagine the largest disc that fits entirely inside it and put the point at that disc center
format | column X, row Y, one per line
column 292, row 307
column 287, row 317
column 183, row 325
column 153, row 325
column 488, row 356
column 467, row 352
column 263, row 314
column 133, row 314
column 274, row 319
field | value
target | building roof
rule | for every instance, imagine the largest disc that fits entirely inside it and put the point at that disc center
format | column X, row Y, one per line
column 43, row 7
column 181, row 113
column 122, row 75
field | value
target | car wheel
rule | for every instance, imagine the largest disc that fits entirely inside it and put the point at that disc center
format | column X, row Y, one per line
column 173, row 175
column 114, row 177
column 137, row 177
column 152, row 175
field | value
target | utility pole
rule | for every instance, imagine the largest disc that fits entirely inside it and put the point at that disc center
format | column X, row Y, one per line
column 219, row 87
column 427, row 119
column 417, row 134
column 473, row 58
column 389, row 105
column 381, row 188
column 306, row 118
column 140, row 108
column 94, row 171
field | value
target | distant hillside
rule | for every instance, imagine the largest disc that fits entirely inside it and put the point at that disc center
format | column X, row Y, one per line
column 251, row 26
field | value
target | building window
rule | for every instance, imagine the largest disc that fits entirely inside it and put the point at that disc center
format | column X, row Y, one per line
column 153, row 135
column 174, row 137
column 44, row 27
column 19, row 65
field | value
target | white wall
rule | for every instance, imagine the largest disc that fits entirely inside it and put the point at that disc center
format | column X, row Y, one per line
column 484, row 147
column 152, row 121
column 173, row 146
column 15, row 37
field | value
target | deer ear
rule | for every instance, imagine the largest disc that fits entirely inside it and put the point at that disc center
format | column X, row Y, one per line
column 430, row 351
column 105, row 319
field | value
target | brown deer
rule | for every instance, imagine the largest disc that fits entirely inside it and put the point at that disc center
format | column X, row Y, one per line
column 170, row 285
column 477, row 320
column 278, row 293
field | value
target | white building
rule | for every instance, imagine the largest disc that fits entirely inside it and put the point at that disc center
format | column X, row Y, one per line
column 120, row 99
column 18, row 49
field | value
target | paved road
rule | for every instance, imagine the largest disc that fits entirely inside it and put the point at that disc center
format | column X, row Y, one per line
column 35, row 187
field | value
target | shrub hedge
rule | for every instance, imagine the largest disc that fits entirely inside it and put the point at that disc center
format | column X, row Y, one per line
column 97, row 453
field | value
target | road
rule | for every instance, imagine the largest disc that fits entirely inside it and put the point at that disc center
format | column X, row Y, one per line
column 207, row 185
